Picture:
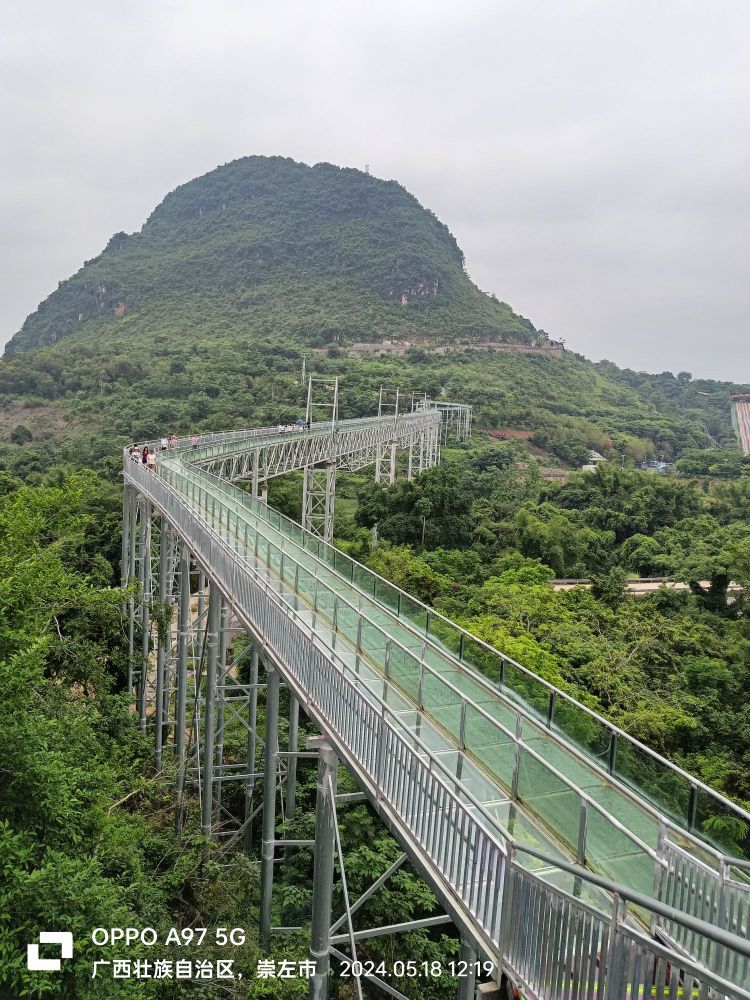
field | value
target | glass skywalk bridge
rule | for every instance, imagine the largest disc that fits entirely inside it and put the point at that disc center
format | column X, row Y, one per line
column 543, row 777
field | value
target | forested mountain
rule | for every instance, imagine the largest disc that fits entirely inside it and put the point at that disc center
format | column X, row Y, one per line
column 269, row 247
column 201, row 319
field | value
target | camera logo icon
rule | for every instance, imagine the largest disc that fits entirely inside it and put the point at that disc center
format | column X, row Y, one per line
column 37, row 964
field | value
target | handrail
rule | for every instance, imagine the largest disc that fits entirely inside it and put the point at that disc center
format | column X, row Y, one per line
column 263, row 510
column 425, row 667
column 554, row 694
column 466, row 700
column 176, row 506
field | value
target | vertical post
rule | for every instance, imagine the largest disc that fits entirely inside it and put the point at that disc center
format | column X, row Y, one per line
column 308, row 407
column 305, row 500
column 200, row 624
column 132, row 517
column 255, row 474
column 325, row 805
column 467, row 958
column 124, row 561
column 269, row 803
column 252, row 739
column 410, row 473
column 164, row 543
column 221, row 681
column 212, row 655
column 378, row 447
column 291, row 771
column 201, row 593
column 183, row 624
column 616, row 959
column 264, row 492
column 145, row 608
column 392, row 470
column 330, row 500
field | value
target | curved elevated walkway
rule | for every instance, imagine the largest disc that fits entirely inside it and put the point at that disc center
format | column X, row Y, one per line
column 561, row 846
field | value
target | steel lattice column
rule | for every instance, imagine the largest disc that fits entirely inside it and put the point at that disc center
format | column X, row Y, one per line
column 252, row 742
column 269, row 803
column 291, row 770
column 209, row 748
column 318, row 497
column 130, row 500
column 325, row 810
column 221, row 684
column 164, row 544
column 145, row 581
column 183, row 633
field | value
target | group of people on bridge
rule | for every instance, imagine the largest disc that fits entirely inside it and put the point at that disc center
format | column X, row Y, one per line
column 298, row 425
column 147, row 456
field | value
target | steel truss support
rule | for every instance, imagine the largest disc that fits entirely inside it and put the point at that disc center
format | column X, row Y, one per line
column 269, row 803
column 388, row 406
column 318, row 497
column 291, row 770
column 183, row 635
column 146, row 584
column 161, row 651
column 129, row 527
column 325, row 839
column 370, row 891
column 221, row 687
column 209, row 749
column 252, row 739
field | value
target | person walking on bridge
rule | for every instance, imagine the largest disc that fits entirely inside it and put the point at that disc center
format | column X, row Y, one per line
column 151, row 461
column 145, row 454
column 194, row 441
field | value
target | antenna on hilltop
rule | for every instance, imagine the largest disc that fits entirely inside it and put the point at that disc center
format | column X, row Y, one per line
column 367, row 168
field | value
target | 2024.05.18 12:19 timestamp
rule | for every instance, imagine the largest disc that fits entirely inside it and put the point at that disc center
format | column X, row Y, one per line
column 415, row 970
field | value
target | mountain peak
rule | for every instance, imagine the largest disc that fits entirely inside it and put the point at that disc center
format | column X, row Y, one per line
column 317, row 253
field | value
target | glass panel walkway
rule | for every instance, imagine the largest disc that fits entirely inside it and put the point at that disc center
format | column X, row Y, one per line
column 544, row 772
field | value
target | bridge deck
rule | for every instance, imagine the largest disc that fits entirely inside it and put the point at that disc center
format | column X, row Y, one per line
column 518, row 779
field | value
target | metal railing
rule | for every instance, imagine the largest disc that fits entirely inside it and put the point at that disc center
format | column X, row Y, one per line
column 451, row 830
column 590, row 831
column 680, row 796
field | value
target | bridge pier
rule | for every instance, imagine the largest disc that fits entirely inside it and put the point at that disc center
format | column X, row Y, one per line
column 318, row 498
column 129, row 501
column 467, row 959
column 269, row 803
column 221, row 680
column 252, row 739
column 212, row 656
column 145, row 581
column 291, row 771
column 183, row 625
column 325, row 837
column 164, row 543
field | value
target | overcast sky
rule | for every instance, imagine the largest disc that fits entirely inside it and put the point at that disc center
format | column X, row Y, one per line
column 592, row 158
